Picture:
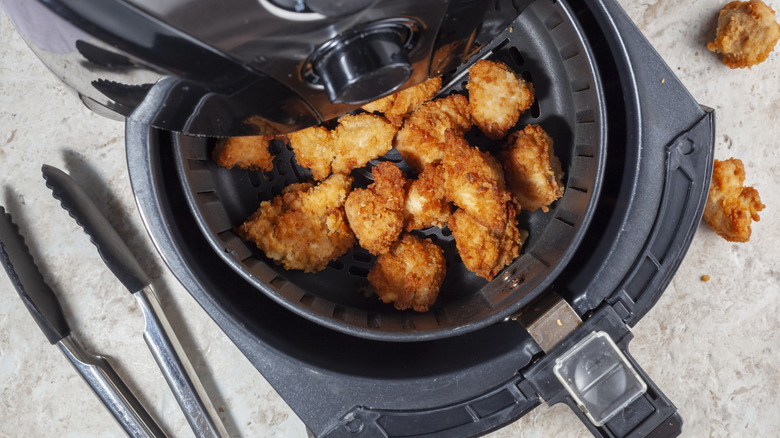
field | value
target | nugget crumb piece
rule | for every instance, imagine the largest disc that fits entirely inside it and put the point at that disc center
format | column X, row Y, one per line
column 399, row 105
column 705, row 278
column 497, row 97
column 411, row 274
column 250, row 152
column 356, row 140
column 423, row 138
column 747, row 33
column 731, row 207
column 305, row 227
column 375, row 213
column 533, row 172
column 483, row 251
column 426, row 204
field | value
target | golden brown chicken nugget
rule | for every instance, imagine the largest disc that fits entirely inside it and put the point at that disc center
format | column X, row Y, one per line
column 423, row 138
column 747, row 33
column 497, row 97
column 356, row 140
column 533, row 172
column 483, row 251
column 250, row 152
column 474, row 181
column 313, row 150
column 426, row 204
column 375, row 213
column 731, row 207
column 411, row 274
column 380, row 105
column 359, row 139
column 305, row 227
column 399, row 105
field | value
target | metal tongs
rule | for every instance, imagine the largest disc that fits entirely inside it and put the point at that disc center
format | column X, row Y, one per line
column 42, row 303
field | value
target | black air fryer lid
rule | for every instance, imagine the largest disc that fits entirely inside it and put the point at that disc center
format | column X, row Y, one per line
column 659, row 159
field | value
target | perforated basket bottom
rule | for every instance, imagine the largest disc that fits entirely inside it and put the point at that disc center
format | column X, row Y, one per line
column 545, row 46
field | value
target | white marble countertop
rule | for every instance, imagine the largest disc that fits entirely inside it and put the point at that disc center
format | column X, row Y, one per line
column 712, row 347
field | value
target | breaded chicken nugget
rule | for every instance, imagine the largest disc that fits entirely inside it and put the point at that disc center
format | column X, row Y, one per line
column 474, row 181
column 533, row 172
column 747, row 33
column 375, row 213
column 399, row 105
column 483, row 251
column 423, row 138
column 314, row 150
column 354, row 142
column 305, row 227
column 245, row 153
column 426, row 204
column 359, row 139
column 497, row 97
column 731, row 207
column 411, row 274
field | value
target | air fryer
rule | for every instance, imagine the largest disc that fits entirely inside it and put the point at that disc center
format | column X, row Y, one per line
column 643, row 202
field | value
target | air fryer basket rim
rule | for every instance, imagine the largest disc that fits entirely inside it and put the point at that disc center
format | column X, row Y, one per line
column 559, row 49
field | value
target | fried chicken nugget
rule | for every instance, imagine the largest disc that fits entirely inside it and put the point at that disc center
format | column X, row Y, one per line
column 356, row 140
column 305, row 227
column 483, row 251
column 426, row 204
column 497, row 97
column 314, row 150
column 359, row 139
column 411, row 274
column 375, row 213
column 399, row 105
column 731, row 207
column 251, row 153
column 533, row 172
column 423, row 138
column 474, row 181
column 747, row 33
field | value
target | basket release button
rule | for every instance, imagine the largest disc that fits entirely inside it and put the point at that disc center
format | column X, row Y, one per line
column 599, row 377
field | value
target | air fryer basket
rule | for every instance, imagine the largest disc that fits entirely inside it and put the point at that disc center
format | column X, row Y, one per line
column 545, row 45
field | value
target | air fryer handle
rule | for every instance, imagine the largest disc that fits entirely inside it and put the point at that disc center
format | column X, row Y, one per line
column 141, row 35
column 651, row 415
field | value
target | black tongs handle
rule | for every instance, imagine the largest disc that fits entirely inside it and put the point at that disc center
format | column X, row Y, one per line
column 110, row 245
column 37, row 296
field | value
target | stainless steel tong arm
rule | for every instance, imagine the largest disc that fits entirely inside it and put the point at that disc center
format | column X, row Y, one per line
column 111, row 390
column 177, row 369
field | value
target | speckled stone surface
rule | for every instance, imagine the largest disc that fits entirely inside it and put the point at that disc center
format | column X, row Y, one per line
column 713, row 347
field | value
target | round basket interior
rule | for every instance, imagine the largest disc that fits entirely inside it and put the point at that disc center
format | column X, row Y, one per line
column 546, row 47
